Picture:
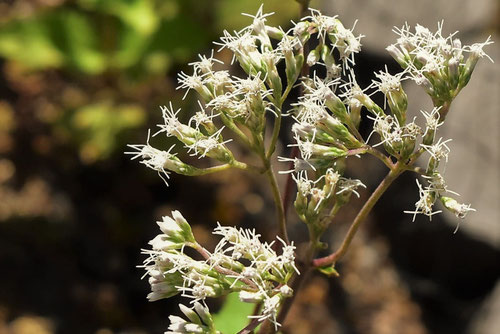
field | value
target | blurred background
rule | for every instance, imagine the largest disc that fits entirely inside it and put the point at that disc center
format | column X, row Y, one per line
column 80, row 79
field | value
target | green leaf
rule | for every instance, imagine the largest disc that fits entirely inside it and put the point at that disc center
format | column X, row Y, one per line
column 329, row 271
column 233, row 316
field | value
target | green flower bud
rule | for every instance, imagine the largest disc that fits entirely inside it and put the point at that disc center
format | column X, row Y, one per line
column 204, row 313
column 275, row 33
column 355, row 112
column 459, row 210
column 190, row 314
column 251, row 296
column 314, row 56
column 340, row 131
column 337, row 107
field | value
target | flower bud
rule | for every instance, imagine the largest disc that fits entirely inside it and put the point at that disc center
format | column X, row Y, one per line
column 368, row 103
column 454, row 71
column 313, row 56
column 355, row 112
column 340, row 131
column 190, row 314
column 397, row 55
column 275, row 33
column 251, row 297
column 204, row 313
column 459, row 210
column 470, row 64
column 336, row 106
column 331, row 179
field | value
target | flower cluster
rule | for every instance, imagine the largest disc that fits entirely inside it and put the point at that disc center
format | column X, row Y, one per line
column 327, row 117
column 435, row 62
column 326, row 127
column 240, row 263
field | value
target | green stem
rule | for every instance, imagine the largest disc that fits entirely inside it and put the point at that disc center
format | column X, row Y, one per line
column 276, row 132
column 360, row 218
column 382, row 157
column 210, row 170
column 233, row 127
column 224, row 271
column 277, row 201
column 277, row 122
column 220, row 168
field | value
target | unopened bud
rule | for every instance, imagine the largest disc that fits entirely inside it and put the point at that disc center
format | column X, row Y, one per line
column 460, row 210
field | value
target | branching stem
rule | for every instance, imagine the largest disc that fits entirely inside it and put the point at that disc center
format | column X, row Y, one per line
column 360, row 218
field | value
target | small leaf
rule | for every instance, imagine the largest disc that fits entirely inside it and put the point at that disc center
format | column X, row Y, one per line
column 329, row 271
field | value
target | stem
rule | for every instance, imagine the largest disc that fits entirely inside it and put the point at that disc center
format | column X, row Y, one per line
column 363, row 213
column 277, row 122
column 233, row 127
column 418, row 170
column 276, row 132
column 355, row 131
column 254, row 323
column 228, row 272
column 210, row 170
column 244, row 166
column 278, row 203
column 220, row 168
column 289, row 181
column 379, row 155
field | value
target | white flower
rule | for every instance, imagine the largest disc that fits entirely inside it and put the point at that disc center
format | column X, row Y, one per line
column 172, row 126
column 205, row 145
column 205, row 65
column 194, row 81
column 154, row 158
column 349, row 185
column 425, row 203
column 439, row 150
column 477, row 49
column 259, row 22
column 299, row 165
column 432, row 121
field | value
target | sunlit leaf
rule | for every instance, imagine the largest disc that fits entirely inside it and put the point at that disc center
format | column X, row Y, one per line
column 233, row 316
